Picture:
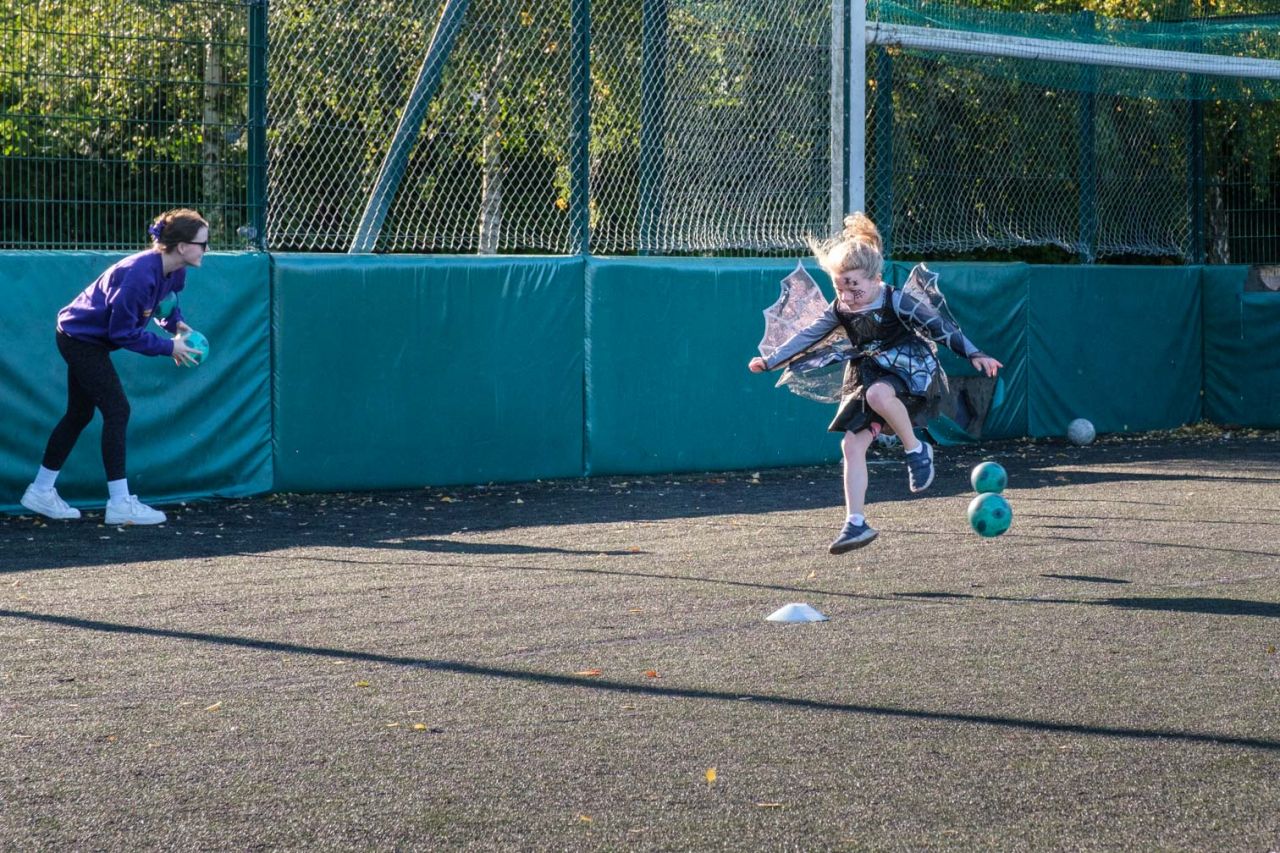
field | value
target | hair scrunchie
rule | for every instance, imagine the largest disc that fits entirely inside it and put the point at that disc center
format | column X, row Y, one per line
column 156, row 230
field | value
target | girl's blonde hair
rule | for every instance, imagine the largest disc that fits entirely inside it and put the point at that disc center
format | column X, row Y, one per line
column 857, row 249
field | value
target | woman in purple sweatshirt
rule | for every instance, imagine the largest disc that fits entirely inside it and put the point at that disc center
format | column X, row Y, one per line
column 109, row 314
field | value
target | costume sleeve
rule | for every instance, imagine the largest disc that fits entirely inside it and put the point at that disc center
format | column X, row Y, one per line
column 802, row 340
column 126, row 326
column 925, row 320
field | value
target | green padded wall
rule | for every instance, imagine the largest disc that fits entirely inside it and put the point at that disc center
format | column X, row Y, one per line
column 339, row 372
column 194, row 432
column 667, row 382
column 990, row 301
column 1121, row 346
column 668, row 344
column 1241, row 350
column 403, row 371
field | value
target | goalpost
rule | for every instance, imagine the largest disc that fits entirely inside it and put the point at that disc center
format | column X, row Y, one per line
column 852, row 33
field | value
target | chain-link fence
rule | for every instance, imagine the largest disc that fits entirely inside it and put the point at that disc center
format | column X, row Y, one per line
column 709, row 125
column 631, row 126
column 488, row 166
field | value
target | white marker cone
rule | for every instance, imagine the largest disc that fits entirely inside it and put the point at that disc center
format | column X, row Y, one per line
column 796, row 613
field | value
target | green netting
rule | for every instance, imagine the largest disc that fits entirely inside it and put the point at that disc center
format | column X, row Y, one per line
column 1226, row 48
column 974, row 153
column 1219, row 29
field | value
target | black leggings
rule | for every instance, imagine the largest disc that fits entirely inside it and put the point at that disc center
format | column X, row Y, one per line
column 92, row 382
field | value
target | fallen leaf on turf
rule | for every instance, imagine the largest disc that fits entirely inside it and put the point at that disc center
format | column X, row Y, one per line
column 768, row 805
column 362, row 684
column 448, row 500
column 711, row 775
column 1271, row 650
column 651, row 673
column 590, row 673
column 812, row 575
column 215, row 707
column 393, row 725
column 419, row 727
column 634, row 550
column 582, row 818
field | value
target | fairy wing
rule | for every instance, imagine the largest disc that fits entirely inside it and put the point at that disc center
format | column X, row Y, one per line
column 922, row 284
column 817, row 372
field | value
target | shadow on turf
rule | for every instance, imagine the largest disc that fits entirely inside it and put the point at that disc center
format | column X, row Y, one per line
column 213, row 529
column 1207, row 606
column 1200, row 520
column 610, row 686
column 449, row 547
column 1085, row 578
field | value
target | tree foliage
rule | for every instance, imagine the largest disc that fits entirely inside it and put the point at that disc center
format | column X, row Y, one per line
column 107, row 118
column 111, row 110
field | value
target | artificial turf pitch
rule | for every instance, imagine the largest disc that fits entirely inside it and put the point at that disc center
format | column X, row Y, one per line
column 586, row 664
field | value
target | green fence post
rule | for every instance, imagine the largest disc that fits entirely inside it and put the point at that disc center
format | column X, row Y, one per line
column 1195, row 181
column 653, row 99
column 1088, row 152
column 883, row 183
column 255, row 230
column 1195, row 165
column 580, row 141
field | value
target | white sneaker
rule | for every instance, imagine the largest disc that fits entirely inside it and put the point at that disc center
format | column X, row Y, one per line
column 130, row 510
column 47, row 503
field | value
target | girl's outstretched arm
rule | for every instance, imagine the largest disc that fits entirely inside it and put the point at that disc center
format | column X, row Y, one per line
column 802, row 340
column 926, row 321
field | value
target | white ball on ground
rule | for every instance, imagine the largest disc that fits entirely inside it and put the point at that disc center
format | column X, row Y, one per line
column 1080, row 432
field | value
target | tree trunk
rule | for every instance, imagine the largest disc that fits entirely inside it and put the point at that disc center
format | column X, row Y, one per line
column 213, row 132
column 491, row 181
column 1219, row 227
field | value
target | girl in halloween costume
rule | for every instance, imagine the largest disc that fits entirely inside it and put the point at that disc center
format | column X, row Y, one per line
column 893, row 381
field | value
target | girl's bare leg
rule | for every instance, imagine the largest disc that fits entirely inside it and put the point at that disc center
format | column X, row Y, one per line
column 884, row 401
column 854, row 446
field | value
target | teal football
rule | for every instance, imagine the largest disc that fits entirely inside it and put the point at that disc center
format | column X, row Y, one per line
column 989, row 514
column 199, row 343
column 989, row 477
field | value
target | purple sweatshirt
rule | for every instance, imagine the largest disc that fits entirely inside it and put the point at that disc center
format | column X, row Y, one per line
column 114, row 311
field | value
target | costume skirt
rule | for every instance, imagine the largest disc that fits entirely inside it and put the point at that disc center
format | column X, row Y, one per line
column 854, row 415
